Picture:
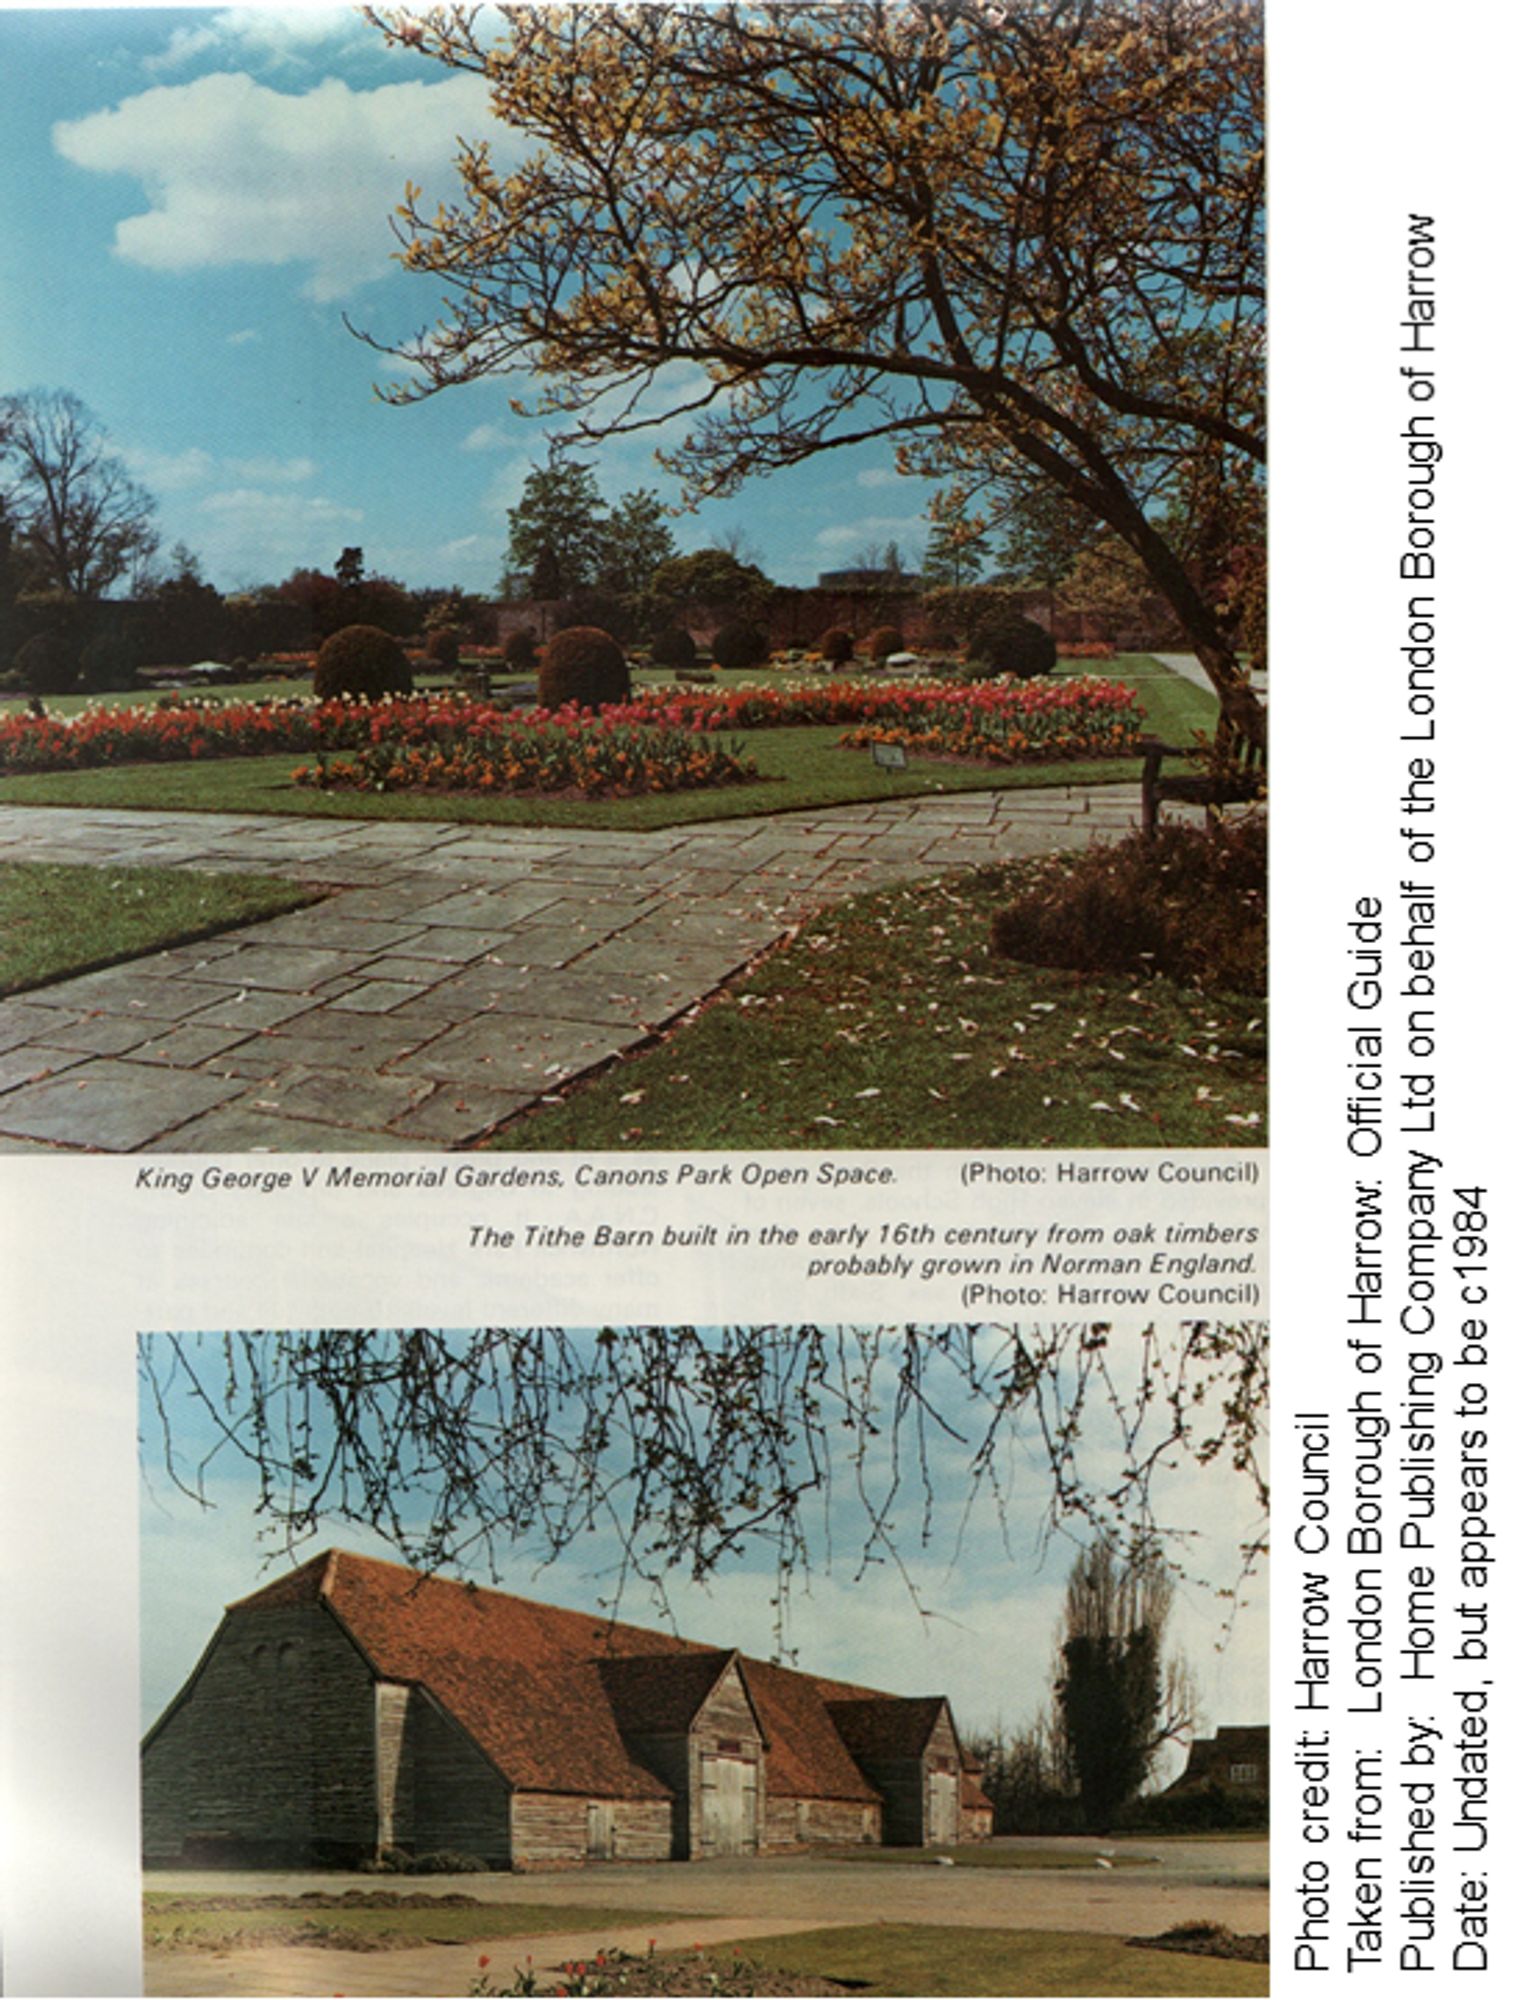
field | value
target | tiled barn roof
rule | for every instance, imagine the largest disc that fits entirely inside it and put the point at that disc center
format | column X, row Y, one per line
column 550, row 1695
column 886, row 1725
column 657, row 1694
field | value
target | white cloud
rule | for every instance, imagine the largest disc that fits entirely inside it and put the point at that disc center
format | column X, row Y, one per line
column 463, row 547
column 236, row 173
column 253, row 509
column 259, row 532
column 869, row 528
column 269, row 34
column 487, row 437
column 244, row 336
column 877, row 475
column 171, row 472
column 273, row 471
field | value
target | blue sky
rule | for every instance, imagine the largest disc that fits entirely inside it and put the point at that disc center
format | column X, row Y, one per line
column 196, row 199
column 989, row 1593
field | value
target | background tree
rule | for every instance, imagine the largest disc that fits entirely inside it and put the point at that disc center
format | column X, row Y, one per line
column 84, row 522
column 1117, row 1700
column 181, row 617
column 713, row 577
column 555, row 532
column 349, row 570
column 1044, row 534
column 330, row 604
column 689, row 1444
column 1024, row 1778
column 958, row 543
column 636, row 540
column 1013, row 239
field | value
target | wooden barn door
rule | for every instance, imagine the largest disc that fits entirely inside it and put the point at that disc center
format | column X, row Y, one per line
column 943, row 1808
column 729, row 1806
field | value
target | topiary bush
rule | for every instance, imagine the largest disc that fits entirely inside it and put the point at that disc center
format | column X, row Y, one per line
column 442, row 647
column 1011, row 643
column 739, row 644
column 520, row 652
column 1189, row 903
column 836, row 645
column 884, row 642
column 673, row 646
column 48, row 663
column 109, row 661
column 361, row 661
column 586, row 665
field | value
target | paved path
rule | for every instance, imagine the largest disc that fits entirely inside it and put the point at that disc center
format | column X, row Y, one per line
column 1223, row 1881
column 453, row 975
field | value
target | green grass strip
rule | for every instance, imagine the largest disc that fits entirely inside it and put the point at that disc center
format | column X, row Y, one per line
column 887, row 1021
column 991, row 1857
column 942, row 1959
column 57, row 919
column 218, row 1923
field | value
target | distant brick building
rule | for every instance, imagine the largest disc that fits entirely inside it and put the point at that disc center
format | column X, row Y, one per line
column 355, row 1706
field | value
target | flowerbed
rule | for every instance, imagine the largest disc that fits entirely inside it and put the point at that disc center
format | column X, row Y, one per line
column 998, row 721
column 665, row 739
column 564, row 753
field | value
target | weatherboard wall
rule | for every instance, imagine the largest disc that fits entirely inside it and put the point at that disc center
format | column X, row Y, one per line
column 269, row 1754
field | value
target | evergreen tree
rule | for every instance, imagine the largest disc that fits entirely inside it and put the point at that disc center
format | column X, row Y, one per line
column 556, row 533
column 1116, row 1702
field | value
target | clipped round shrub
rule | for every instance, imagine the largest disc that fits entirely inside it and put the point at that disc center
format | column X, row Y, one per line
column 739, row 644
column 885, row 641
column 583, row 664
column 836, row 645
column 363, row 661
column 1011, row 643
column 109, row 661
column 48, row 664
column 442, row 647
column 673, row 646
column 520, row 652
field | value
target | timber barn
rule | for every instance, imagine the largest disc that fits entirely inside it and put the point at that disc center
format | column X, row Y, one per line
column 355, row 1706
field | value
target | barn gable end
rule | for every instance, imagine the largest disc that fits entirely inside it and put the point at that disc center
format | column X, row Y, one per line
column 270, row 1757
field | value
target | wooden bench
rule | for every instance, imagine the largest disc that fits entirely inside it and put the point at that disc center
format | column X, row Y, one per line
column 1233, row 771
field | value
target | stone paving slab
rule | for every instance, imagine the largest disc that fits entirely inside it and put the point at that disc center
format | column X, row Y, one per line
column 32, row 1065
column 239, row 1129
column 451, row 975
column 188, row 1045
column 95, row 1035
column 111, row 1106
column 511, row 1052
column 342, row 1097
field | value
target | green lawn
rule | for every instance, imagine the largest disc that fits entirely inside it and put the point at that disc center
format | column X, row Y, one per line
column 802, row 768
column 888, row 1022
column 56, row 920
column 990, row 1857
column 349, row 1923
column 954, row 1959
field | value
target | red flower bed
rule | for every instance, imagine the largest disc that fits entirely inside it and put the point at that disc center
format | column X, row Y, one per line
column 661, row 741
column 567, row 752
column 1080, row 717
column 176, row 731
